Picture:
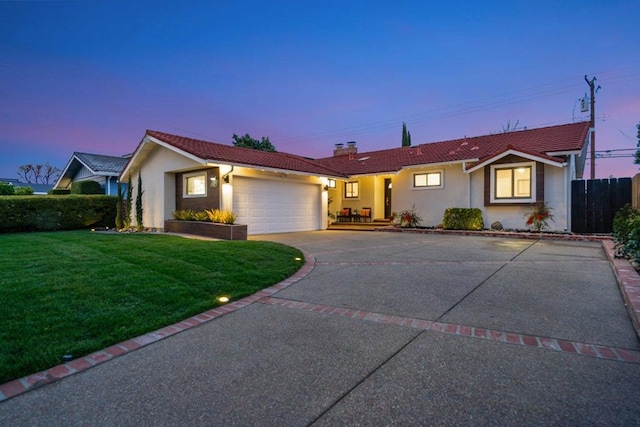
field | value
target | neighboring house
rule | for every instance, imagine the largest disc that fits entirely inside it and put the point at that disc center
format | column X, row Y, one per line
column 93, row 167
column 500, row 174
column 37, row 188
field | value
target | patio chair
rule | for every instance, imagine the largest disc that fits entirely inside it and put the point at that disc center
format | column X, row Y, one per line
column 344, row 215
column 365, row 215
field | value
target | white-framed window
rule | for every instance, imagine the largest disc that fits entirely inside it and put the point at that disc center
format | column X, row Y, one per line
column 195, row 184
column 351, row 190
column 432, row 179
column 513, row 183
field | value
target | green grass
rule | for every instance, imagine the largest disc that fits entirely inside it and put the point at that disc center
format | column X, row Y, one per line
column 77, row 292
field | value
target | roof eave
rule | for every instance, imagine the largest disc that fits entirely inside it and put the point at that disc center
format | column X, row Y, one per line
column 559, row 163
column 563, row 153
column 147, row 140
column 437, row 164
column 214, row 162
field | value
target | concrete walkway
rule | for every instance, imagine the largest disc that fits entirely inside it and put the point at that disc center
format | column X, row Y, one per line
column 386, row 328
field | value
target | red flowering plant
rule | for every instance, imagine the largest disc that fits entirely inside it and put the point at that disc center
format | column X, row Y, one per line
column 408, row 218
column 539, row 217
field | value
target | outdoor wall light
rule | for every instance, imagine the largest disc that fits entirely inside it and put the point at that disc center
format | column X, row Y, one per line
column 213, row 182
column 225, row 179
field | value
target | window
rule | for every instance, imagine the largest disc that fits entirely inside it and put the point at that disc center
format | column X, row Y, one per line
column 427, row 180
column 195, row 185
column 351, row 190
column 513, row 182
column 332, row 183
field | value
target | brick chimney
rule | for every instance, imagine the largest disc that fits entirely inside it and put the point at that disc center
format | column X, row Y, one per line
column 341, row 150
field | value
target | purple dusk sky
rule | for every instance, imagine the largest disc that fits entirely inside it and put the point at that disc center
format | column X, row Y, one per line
column 92, row 76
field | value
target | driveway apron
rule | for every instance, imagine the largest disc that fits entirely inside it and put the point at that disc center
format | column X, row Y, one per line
column 387, row 328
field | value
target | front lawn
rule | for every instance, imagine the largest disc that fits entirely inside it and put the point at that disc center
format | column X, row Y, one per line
column 77, row 292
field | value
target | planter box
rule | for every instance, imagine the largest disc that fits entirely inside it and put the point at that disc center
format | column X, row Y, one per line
column 207, row 229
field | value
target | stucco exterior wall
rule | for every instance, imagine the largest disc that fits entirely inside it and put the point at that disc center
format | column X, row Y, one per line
column 462, row 190
column 430, row 203
column 158, row 184
column 368, row 189
column 513, row 216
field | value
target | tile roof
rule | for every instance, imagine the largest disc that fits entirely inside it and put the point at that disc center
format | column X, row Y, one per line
column 545, row 143
column 101, row 165
column 244, row 156
column 540, row 142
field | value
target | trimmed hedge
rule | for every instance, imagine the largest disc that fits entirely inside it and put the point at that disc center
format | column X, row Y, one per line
column 86, row 187
column 49, row 213
column 463, row 219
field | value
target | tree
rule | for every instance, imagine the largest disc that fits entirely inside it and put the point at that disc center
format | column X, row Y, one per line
column 406, row 136
column 248, row 142
column 510, row 127
column 119, row 210
column 139, row 225
column 39, row 174
column 636, row 157
column 127, row 204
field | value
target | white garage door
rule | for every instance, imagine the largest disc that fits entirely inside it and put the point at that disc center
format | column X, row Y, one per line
column 276, row 206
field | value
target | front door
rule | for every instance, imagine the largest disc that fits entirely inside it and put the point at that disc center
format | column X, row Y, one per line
column 387, row 197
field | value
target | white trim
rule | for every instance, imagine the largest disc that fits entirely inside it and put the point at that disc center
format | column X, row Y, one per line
column 558, row 164
column 186, row 176
column 512, row 200
column 428, row 187
column 563, row 153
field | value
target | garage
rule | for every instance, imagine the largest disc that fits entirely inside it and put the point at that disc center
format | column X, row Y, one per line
column 268, row 206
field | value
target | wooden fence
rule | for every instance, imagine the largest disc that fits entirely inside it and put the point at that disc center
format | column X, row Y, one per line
column 594, row 203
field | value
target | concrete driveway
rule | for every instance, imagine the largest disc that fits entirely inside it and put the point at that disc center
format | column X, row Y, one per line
column 386, row 328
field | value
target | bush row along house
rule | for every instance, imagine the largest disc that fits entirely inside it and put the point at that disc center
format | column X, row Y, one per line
column 272, row 192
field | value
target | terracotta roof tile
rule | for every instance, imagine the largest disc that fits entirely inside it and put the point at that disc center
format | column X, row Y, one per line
column 244, row 156
column 537, row 142
column 541, row 142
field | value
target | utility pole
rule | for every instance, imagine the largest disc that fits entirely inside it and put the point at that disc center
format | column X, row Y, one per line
column 593, row 123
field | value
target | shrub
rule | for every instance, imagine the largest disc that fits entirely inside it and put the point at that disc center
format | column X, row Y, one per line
column 48, row 213
column 462, row 219
column 7, row 189
column 59, row 191
column 184, row 215
column 408, row 218
column 86, row 187
column 24, row 191
column 539, row 216
column 626, row 231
